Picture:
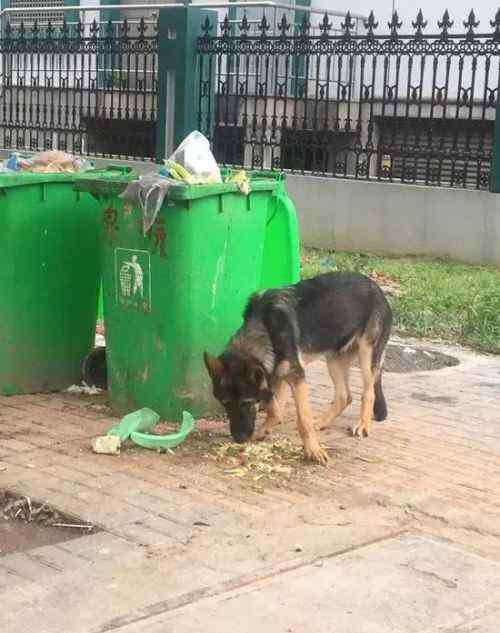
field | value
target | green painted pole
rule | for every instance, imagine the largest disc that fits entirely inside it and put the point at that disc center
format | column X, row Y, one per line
column 495, row 162
column 299, row 62
column 71, row 16
column 178, row 75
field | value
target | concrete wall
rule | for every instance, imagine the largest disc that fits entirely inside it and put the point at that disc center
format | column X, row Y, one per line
column 398, row 219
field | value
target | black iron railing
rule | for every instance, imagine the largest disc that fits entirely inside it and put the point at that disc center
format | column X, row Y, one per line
column 83, row 88
column 414, row 108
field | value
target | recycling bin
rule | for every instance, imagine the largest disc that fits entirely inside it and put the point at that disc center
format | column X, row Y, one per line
column 49, row 281
column 182, row 288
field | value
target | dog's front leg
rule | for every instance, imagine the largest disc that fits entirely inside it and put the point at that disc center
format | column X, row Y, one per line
column 305, row 424
column 274, row 411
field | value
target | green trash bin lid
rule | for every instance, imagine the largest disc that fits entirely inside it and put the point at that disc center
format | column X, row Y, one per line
column 114, row 180
column 20, row 179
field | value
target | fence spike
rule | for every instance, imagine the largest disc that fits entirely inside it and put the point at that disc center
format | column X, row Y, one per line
column 142, row 28
column 244, row 26
column 395, row 24
column 225, row 27
column 347, row 25
column 206, row 27
column 470, row 24
column 370, row 25
column 419, row 25
column 445, row 25
column 496, row 25
column 283, row 27
column 304, row 26
column 264, row 27
column 325, row 26
column 94, row 29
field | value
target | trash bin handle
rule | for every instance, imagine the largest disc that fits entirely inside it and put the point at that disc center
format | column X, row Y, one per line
column 122, row 169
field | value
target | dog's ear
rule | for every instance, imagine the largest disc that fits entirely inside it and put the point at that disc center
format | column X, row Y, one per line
column 214, row 366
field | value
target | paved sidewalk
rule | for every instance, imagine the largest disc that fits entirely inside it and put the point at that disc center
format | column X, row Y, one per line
column 400, row 533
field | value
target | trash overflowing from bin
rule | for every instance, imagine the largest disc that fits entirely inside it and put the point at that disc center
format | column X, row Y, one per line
column 149, row 192
column 49, row 162
column 240, row 178
column 192, row 163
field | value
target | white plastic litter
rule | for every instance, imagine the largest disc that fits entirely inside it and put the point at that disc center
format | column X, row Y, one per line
column 84, row 389
column 195, row 155
column 100, row 340
column 106, row 445
column 149, row 191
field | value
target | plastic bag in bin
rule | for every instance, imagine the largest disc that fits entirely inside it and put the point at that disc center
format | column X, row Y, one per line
column 195, row 155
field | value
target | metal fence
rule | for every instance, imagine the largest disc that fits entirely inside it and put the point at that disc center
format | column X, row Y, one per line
column 84, row 88
column 335, row 96
column 352, row 103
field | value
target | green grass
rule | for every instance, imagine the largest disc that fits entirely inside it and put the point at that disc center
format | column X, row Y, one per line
column 440, row 298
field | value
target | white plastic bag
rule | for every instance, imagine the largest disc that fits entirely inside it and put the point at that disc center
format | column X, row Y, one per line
column 195, row 155
column 149, row 191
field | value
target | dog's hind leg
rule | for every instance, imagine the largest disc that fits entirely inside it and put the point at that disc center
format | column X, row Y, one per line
column 274, row 411
column 305, row 424
column 370, row 375
column 338, row 368
column 380, row 406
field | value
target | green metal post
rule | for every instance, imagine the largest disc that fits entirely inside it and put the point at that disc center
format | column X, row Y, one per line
column 178, row 75
column 71, row 16
column 109, row 14
column 299, row 63
column 495, row 162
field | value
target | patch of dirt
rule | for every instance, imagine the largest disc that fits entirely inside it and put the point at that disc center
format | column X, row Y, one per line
column 404, row 359
column 388, row 285
column 26, row 524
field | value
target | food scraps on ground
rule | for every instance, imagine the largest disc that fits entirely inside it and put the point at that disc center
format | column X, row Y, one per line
column 260, row 460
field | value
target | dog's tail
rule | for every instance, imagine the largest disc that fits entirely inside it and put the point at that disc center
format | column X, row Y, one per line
column 380, row 406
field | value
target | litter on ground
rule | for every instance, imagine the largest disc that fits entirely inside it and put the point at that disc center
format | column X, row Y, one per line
column 84, row 389
column 139, row 426
column 259, row 460
column 107, row 445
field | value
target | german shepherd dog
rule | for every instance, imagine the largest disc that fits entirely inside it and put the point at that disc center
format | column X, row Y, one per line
column 335, row 315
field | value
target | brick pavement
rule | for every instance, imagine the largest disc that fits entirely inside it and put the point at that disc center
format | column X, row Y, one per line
column 177, row 529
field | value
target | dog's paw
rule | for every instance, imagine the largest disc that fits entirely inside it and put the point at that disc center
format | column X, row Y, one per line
column 360, row 430
column 315, row 453
column 324, row 422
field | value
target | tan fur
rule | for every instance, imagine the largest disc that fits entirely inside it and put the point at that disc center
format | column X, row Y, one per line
column 338, row 367
column 274, row 411
column 305, row 424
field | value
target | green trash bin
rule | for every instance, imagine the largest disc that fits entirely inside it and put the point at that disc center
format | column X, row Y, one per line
column 49, row 281
column 182, row 288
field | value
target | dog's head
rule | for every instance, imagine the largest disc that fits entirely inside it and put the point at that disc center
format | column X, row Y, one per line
column 239, row 384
